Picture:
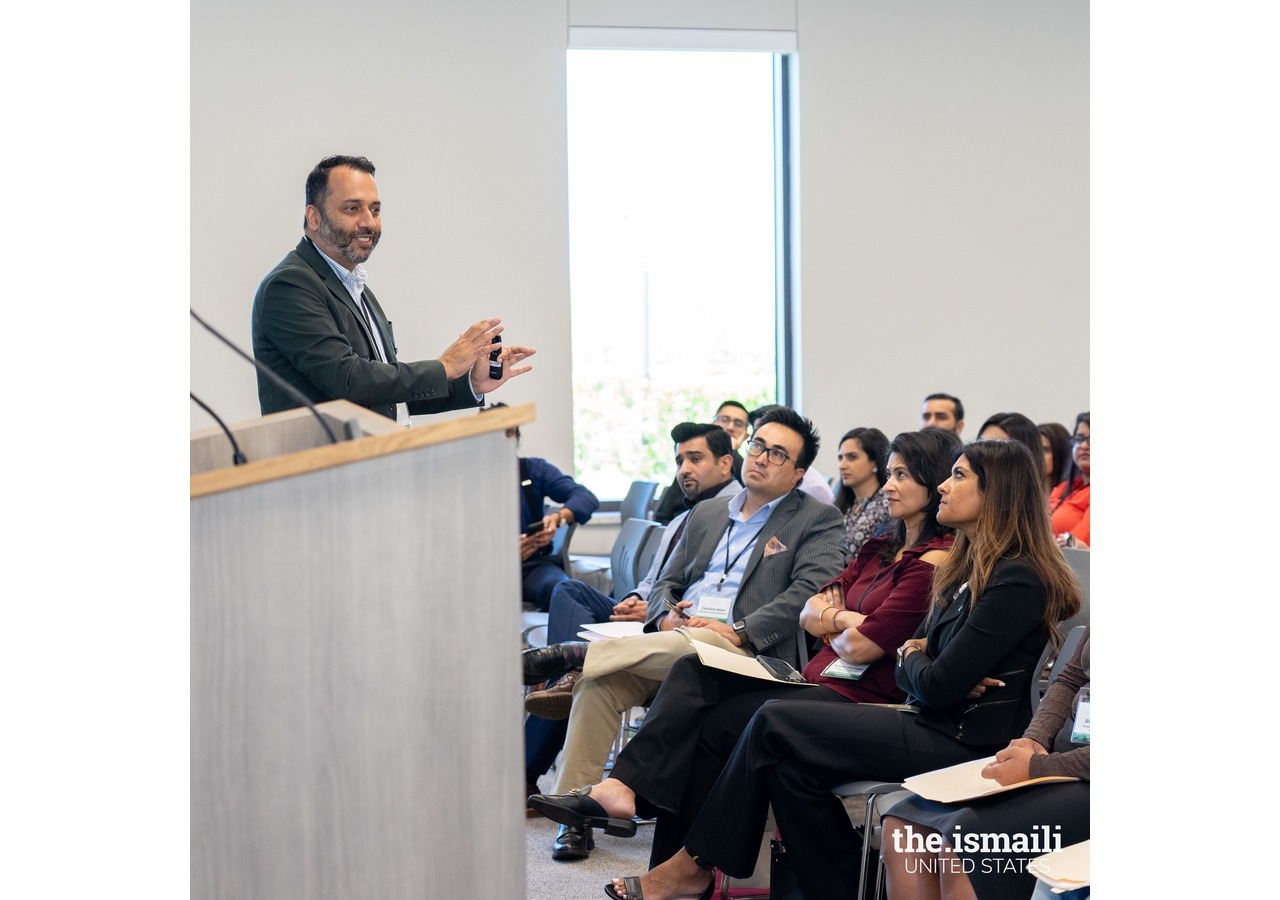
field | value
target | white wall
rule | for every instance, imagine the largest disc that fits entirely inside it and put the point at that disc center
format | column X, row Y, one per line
column 944, row 157
column 943, row 205
column 462, row 108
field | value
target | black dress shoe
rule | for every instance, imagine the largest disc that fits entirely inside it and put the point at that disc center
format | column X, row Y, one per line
column 573, row 842
column 543, row 663
column 576, row 809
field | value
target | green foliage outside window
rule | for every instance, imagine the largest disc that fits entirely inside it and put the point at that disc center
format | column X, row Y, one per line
column 623, row 428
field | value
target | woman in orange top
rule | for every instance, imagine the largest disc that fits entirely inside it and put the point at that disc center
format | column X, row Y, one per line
column 1069, row 502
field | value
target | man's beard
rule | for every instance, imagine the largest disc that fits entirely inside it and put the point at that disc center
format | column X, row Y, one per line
column 344, row 241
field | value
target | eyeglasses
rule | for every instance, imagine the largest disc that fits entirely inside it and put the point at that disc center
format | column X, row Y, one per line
column 776, row 456
column 1079, row 439
column 726, row 421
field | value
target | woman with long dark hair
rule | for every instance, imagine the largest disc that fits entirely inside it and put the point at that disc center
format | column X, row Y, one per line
column 862, row 474
column 1055, row 443
column 997, row 599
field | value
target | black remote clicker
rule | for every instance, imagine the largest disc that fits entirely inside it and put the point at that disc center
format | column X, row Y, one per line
column 495, row 364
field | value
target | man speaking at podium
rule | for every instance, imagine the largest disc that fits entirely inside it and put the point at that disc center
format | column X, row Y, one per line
column 318, row 327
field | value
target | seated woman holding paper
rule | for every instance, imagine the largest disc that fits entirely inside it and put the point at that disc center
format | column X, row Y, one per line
column 875, row 604
column 1040, row 817
column 996, row 600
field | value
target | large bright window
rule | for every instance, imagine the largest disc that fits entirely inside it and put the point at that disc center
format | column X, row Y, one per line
column 677, row 248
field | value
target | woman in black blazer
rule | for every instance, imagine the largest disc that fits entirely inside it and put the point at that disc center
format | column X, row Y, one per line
column 997, row 599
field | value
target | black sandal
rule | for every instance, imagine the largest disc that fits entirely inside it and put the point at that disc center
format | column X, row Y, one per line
column 631, row 885
column 578, row 809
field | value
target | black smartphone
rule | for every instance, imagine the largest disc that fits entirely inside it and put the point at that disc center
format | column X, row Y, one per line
column 495, row 364
column 534, row 528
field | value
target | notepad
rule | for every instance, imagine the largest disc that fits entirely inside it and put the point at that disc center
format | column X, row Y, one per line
column 763, row 667
column 1063, row 870
column 965, row 782
column 606, row 631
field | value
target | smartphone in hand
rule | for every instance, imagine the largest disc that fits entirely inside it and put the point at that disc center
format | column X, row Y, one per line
column 534, row 528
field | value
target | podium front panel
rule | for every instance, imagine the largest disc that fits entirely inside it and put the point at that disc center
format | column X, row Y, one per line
column 355, row 697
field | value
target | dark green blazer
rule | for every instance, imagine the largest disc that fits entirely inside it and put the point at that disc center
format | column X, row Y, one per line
column 308, row 330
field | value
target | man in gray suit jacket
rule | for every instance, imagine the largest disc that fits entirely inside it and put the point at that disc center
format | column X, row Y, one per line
column 319, row 328
column 738, row 578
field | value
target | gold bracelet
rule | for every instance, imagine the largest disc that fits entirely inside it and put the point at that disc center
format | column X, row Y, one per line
column 822, row 616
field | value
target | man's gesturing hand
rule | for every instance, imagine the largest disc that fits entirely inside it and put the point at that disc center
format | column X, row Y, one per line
column 471, row 345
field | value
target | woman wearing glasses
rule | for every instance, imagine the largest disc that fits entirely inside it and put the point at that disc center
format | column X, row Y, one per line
column 1069, row 502
column 996, row 599
column 862, row 616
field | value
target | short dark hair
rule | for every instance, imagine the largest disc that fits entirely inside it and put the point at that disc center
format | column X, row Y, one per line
column 736, row 403
column 929, row 455
column 788, row 417
column 873, row 443
column 1018, row 427
column 318, row 179
column 955, row 400
column 718, row 441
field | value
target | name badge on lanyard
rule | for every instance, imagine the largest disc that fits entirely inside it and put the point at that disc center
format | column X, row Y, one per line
column 841, row 669
column 1080, row 730
column 715, row 604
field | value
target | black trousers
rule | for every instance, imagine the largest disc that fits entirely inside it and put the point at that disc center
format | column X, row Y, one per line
column 791, row 754
column 689, row 732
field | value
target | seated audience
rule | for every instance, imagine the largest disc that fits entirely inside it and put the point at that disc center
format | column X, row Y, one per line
column 737, row 579
column 732, row 417
column 863, row 616
column 862, row 474
column 1069, row 501
column 1055, row 441
column 997, row 598
column 541, row 481
column 703, row 471
column 1055, row 743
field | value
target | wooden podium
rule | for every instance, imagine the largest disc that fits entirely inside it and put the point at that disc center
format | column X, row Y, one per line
column 355, row 696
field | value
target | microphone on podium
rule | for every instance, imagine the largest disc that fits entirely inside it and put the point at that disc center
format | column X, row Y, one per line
column 285, row 386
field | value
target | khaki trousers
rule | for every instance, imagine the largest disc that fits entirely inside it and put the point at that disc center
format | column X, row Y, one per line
column 616, row 676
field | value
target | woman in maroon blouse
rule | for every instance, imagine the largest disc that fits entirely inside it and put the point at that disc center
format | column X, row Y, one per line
column 875, row 604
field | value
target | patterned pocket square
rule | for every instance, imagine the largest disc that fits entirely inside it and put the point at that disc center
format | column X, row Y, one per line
column 774, row 546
